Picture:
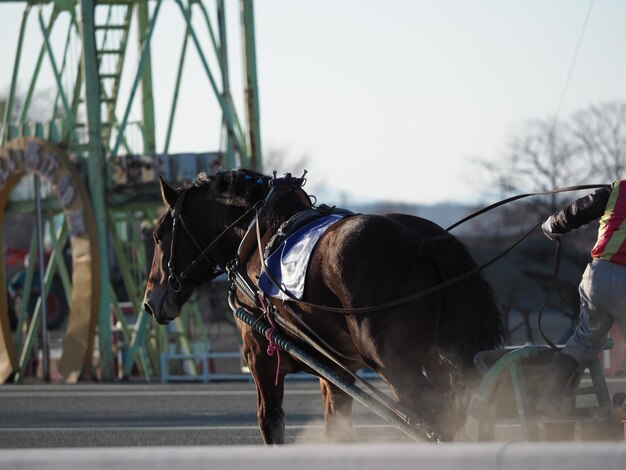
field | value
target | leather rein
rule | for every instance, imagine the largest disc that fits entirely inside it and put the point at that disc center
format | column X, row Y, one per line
column 247, row 287
column 423, row 293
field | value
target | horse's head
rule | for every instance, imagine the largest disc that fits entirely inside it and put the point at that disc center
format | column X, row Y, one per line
column 193, row 239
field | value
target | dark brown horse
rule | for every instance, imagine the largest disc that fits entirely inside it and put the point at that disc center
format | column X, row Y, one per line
column 423, row 348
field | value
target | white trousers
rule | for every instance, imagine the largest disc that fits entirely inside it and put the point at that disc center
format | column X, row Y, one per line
column 602, row 301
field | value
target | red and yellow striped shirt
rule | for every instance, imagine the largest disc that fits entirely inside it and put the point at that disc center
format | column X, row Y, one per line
column 611, row 244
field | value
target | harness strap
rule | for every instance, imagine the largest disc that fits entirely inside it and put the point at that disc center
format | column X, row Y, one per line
column 557, row 256
column 193, row 238
column 272, row 348
column 402, row 412
column 172, row 280
column 521, row 196
column 215, row 241
column 309, row 331
column 398, row 409
column 557, row 264
column 298, row 220
column 242, row 282
column 405, row 299
column 258, row 240
column 449, row 282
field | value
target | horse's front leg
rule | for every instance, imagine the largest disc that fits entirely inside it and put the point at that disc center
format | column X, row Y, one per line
column 269, row 394
column 269, row 406
column 337, row 413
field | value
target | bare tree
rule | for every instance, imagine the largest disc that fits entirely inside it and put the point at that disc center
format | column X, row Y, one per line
column 279, row 160
column 42, row 106
column 600, row 130
column 545, row 158
column 586, row 148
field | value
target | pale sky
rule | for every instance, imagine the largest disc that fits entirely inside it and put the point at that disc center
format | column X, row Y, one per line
column 394, row 100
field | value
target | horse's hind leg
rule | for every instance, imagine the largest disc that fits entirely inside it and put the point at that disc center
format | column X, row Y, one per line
column 396, row 347
column 412, row 389
column 433, row 389
column 337, row 413
column 450, row 385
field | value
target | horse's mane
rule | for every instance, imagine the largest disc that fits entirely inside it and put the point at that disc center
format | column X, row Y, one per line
column 231, row 186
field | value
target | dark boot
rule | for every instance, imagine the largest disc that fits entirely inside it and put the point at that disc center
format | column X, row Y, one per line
column 563, row 369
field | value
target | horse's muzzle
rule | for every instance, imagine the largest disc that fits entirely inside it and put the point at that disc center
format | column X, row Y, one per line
column 148, row 308
column 153, row 304
column 161, row 320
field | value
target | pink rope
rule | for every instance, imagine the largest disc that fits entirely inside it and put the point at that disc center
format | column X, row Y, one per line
column 272, row 347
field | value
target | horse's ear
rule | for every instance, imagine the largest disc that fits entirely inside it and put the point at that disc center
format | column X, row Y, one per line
column 169, row 194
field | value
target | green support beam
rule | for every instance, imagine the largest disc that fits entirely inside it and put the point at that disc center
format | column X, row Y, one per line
column 179, row 75
column 33, row 329
column 227, row 109
column 22, row 314
column 97, row 174
column 138, row 74
column 229, row 150
column 84, row 121
column 146, row 80
column 8, row 109
column 251, row 86
column 55, row 69
column 35, row 76
column 68, row 38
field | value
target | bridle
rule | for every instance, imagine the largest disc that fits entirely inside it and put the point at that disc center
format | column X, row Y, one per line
column 175, row 281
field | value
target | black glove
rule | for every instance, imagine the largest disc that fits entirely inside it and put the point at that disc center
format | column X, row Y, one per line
column 546, row 227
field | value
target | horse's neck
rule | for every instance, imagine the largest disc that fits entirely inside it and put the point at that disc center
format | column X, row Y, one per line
column 282, row 205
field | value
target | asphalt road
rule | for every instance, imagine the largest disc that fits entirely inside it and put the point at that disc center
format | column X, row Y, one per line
column 97, row 415
column 221, row 413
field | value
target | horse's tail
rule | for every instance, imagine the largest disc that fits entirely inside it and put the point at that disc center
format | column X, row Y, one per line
column 470, row 320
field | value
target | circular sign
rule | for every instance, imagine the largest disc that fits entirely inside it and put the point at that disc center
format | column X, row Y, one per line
column 29, row 155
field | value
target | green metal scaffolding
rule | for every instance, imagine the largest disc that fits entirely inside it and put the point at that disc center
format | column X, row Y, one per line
column 93, row 120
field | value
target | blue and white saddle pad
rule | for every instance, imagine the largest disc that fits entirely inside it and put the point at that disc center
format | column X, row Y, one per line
column 289, row 262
